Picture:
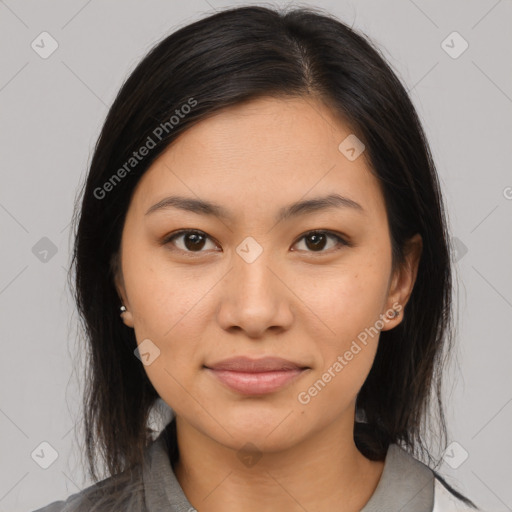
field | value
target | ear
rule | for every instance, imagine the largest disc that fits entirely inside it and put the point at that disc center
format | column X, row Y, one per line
column 402, row 282
column 115, row 265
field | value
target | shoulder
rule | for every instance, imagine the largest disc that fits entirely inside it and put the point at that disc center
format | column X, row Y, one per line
column 134, row 490
column 447, row 499
column 408, row 484
column 124, row 491
column 56, row 506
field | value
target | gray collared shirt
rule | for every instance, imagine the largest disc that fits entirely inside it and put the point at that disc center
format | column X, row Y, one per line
column 406, row 485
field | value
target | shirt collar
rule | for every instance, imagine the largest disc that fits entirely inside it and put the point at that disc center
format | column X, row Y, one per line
column 406, row 484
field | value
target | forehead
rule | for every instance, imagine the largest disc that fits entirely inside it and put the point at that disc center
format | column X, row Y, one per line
column 269, row 151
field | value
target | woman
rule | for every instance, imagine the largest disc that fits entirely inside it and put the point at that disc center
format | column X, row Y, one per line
column 263, row 211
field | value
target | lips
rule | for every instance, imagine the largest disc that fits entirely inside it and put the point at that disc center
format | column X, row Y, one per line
column 256, row 376
column 248, row 365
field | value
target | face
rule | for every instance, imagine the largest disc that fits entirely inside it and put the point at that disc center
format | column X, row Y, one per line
column 314, row 287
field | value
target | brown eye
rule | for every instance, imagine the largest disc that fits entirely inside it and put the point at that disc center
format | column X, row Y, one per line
column 316, row 241
column 190, row 240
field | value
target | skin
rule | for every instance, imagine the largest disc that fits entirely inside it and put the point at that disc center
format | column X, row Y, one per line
column 294, row 301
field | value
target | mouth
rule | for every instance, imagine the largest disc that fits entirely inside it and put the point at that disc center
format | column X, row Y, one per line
column 256, row 377
column 256, row 383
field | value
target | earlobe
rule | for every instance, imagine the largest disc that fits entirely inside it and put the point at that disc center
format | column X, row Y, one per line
column 403, row 282
column 123, row 310
column 391, row 317
column 119, row 286
column 126, row 316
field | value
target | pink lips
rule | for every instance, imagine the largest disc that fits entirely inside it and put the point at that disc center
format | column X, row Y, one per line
column 256, row 376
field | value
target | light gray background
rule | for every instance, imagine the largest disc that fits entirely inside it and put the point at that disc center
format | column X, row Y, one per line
column 52, row 110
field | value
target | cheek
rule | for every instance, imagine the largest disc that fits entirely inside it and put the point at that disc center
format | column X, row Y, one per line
column 171, row 312
column 165, row 297
column 348, row 302
column 347, row 299
column 346, row 353
column 172, row 307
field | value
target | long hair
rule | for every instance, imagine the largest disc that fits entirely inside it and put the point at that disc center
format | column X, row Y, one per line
column 225, row 59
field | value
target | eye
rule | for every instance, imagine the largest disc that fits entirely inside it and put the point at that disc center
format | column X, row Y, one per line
column 317, row 240
column 193, row 240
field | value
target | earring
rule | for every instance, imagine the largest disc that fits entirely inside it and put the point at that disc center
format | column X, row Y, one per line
column 396, row 313
column 123, row 309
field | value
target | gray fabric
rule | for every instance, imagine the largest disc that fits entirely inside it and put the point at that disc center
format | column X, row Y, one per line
column 406, row 485
column 56, row 506
column 163, row 491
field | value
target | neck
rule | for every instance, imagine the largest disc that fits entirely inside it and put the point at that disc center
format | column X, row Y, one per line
column 325, row 471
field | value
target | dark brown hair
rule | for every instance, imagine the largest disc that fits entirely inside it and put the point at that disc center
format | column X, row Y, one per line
column 229, row 58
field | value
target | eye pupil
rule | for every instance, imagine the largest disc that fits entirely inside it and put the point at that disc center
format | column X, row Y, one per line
column 318, row 240
column 197, row 243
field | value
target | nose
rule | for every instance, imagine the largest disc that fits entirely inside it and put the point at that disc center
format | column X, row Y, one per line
column 255, row 298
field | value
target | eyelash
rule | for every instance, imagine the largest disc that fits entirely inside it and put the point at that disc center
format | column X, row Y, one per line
column 340, row 241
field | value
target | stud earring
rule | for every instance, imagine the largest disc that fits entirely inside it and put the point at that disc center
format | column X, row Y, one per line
column 123, row 309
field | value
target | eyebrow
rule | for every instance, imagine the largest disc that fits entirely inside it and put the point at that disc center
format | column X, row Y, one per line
column 202, row 207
